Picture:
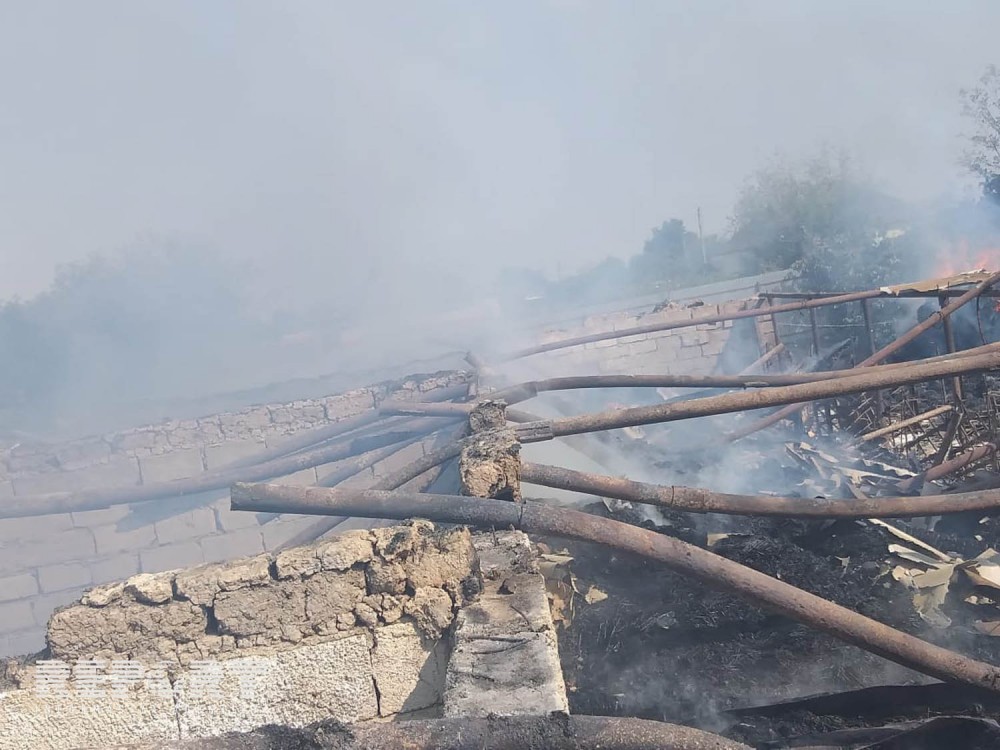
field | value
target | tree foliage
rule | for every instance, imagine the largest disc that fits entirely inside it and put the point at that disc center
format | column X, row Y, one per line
column 982, row 108
column 148, row 323
column 786, row 210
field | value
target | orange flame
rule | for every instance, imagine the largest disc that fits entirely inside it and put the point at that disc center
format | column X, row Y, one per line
column 962, row 258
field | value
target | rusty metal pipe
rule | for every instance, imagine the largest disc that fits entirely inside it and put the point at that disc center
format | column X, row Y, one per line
column 447, row 409
column 950, row 466
column 93, row 499
column 552, row 732
column 696, row 321
column 697, row 500
column 903, row 424
column 687, row 559
column 761, row 399
column 882, row 353
column 529, row 389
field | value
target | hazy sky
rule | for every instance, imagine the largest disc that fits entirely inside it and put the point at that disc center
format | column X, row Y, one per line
column 333, row 143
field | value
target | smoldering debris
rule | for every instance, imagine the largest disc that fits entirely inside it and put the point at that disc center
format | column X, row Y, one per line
column 766, row 567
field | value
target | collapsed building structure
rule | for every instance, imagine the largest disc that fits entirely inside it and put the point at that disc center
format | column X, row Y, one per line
column 806, row 576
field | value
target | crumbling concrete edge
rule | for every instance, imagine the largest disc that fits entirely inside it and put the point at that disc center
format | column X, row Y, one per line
column 505, row 654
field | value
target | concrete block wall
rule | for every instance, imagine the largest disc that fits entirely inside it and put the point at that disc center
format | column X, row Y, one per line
column 351, row 629
column 365, row 626
column 48, row 561
column 690, row 350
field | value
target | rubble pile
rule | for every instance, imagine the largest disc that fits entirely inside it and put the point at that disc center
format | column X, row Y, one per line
column 813, row 548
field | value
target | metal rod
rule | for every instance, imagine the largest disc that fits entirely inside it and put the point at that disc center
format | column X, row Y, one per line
column 93, row 499
column 687, row 559
column 902, row 294
column 866, row 313
column 529, row 732
column 523, row 391
column 815, row 331
column 697, row 500
column 696, row 321
column 445, row 410
column 836, row 299
column 949, row 342
column 944, row 468
column 882, row 353
column 902, row 425
column 760, row 399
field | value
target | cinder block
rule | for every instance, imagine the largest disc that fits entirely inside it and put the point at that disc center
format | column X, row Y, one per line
column 116, row 568
column 120, row 471
column 105, row 718
column 634, row 338
column 43, row 606
column 80, row 454
column 53, row 578
column 689, row 352
column 170, row 466
column 641, row 347
column 110, row 540
column 17, row 587
column 278, row 532
column 91, row 518
column 324, row 681
column 349, row 404
column 171, row 557
column 33, row 527
column 232, row 450
column 697, row 338
column 714, row 347
column 233, row 520
column 17, row 615
column 24, row 642
column 231, row 546
column 189, row 525
column 409, row 670
column 63, row 546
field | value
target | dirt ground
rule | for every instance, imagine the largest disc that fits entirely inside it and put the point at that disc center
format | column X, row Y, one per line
column 663, row 647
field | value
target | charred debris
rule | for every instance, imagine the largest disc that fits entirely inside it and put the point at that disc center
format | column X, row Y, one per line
column 799, row 550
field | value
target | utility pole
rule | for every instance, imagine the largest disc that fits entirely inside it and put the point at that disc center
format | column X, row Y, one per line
column 701, row 239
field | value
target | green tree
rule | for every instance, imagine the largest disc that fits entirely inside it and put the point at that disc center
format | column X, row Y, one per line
column 981, row 105
column 786, row 210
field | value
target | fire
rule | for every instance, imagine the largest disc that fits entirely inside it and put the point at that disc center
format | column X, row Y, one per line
column 962, row 258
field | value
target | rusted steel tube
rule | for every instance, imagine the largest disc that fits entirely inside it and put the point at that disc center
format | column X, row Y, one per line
column 687, row 559
column 529, row 389
column 903, row 424
column 949, row 342
column 352, row 468
column 553, row 732
column 445, row 410
column 950, row 466
column 394, row 481
column 697, row 500
column 92, row 499
column 960, row 461
column 526, row 732
column 696, row 321
column 732, row 402
column 903, row 294
column 311, row 438
column 882, row 353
